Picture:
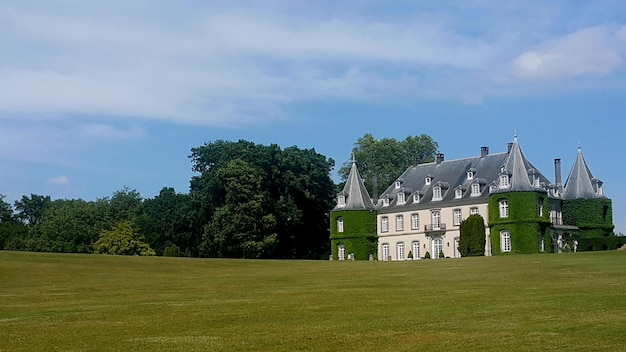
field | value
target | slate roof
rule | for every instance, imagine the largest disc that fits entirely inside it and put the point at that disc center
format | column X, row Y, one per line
column 357, row 197
column 451, row 175
column 579, row 183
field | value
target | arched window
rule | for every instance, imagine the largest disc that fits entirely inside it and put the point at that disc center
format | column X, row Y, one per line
column 505, row 241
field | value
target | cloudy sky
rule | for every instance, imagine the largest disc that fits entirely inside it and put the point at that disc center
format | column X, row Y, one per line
column 96, row 95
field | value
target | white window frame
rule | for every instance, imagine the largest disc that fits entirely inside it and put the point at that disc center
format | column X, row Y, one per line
column 415, row 221
column 341, row 252
column 385, row 251
column 398, row 184
column 540, row 206
column 475, row 189
column 384, row 224
column 436, row 219
column 428, row 180
column 400, row 251
column 339, row 224
column 341, row 201
column 401, row 198
column 437, row 247
column 458, row 193
column 385, row 202
column 457, row 217
column 416, row 250
column 457, row 253
column 503, row 206
column 416, row 198
column 399, row 222
column 470, row 175
column 505, row 241
column 504, row 181
column 437, row 194
column 474, row 210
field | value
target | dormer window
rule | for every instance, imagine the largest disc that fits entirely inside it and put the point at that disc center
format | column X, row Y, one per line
column 428, row 180
column 416, row 198
column 492, row 188
column 398, row 184
column 401, row 198
column 385, row 202
column 475, row 190
column 504, row 181
column 470, row 174
column 437, row 193
column 458, row 193
column 341, row 200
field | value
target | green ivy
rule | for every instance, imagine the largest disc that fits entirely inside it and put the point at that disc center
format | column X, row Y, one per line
column 359, row 235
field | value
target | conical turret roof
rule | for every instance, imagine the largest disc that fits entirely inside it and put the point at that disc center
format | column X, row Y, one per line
column 355, row 193
column 579, row 183
column 516, row 166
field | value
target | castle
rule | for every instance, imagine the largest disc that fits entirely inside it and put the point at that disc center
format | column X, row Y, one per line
column 420, row 214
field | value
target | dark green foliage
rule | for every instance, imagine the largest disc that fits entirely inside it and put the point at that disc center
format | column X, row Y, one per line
column 271, row 202
column 594, row 217
column 472, row 240
column 122, row 239
column 524, row 223
column 359, row 236
column 620, row 240
column 31, row 209
column 388, row 158
column 171, row 251
column 441, row 255
column 427, row 255
column 410, row 255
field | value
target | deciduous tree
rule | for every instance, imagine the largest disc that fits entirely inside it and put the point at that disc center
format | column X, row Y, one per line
column 472, row 241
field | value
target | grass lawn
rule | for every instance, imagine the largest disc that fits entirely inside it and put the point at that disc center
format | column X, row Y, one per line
column 57, row 302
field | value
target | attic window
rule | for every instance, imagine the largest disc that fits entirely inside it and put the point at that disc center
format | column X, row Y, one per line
column 428, row 180
column 341, row 200
column 385, row 202
column 492, row 188
column 458, row 193
column 504, row 181
column 475, row 190
column 416, row 198
column 398, row 184
column 437, row 193
column 470, row 174
column 401, row 198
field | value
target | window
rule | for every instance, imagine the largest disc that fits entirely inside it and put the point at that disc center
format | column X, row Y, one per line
column 398, row 184
column 385, row 202
column 428, row 180
column 416, row 198
column 540, row 206
column 400, row 223
column 504, row 208
column 400, row 250
column 401, row 198
column 457, row 254
column 473, row 210
column 339, row 224
column 505, row 241
column 386, row 251
column 415, row 221
column 437, row 193
column 475, row 189
column 470, row 173
column 457, row 218
column 504, row 181
column 458, row 193
column 492, row 188
column 341, row 201
column 436, row 219
column 437, row 247
column 416, row 250
column 384, row 224
column 341, row 252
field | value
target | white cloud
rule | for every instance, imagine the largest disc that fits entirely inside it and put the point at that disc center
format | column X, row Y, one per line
column 102, row 131
column 590, row 51
column 59, row 181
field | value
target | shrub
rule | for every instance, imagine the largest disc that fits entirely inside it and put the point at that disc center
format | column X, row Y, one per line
column 427, row 255
column 171, row 251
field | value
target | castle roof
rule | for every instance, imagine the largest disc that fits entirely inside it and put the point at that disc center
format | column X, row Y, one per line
column 461, row 174
column 580, row 182
column 355, row 193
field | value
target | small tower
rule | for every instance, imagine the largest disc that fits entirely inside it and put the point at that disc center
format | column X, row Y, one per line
column 353, row 221
column 518, row 208
column 586, row 207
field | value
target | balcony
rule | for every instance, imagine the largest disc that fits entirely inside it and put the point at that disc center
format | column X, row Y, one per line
column 435, row 230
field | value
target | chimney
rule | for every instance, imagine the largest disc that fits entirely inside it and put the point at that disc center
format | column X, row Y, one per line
column 509, row 147
column 557, row 172
column 439, row 158
column 484, row 151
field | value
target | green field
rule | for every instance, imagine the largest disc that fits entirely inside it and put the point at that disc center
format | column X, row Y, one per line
column 569, row 302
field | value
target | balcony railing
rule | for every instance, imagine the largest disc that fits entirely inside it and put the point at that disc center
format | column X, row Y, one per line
column 435, row 228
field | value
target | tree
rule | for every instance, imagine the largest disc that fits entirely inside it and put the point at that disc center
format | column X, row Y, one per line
column 123, row 239
column 6, row 211
column 30, row 209
column 472, row 241
column 383, row 161
column 289, row 191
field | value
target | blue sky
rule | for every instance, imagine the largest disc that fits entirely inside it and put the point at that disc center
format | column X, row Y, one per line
column 95, row 96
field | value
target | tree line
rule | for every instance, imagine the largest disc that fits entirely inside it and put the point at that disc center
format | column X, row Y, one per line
column 246, row 200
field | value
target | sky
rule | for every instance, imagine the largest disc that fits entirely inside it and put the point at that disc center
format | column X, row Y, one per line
column 96, row 96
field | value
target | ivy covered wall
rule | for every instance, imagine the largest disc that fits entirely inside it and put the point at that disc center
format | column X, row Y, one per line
column 524, row 222
column 594, row 217
column 359, row 233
